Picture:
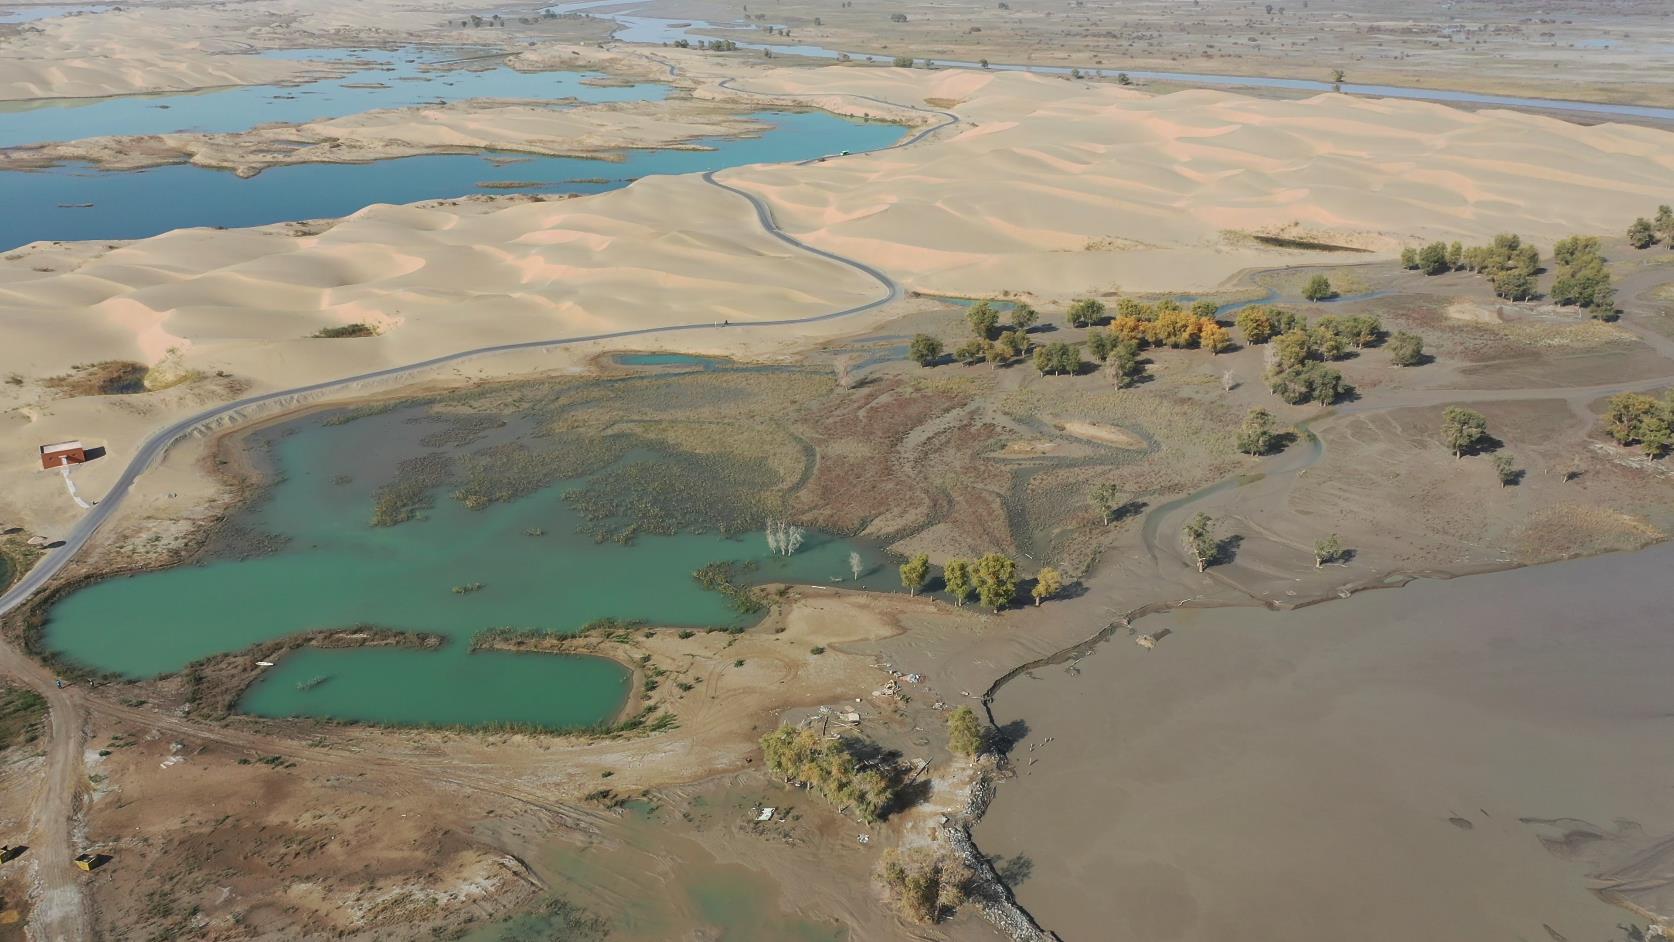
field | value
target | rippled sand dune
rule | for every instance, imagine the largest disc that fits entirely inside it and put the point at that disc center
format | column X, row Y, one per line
column 1055, row 186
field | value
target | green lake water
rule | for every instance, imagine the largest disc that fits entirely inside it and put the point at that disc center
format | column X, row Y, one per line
column 335, row 570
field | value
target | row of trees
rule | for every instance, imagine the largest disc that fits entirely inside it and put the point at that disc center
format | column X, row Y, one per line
column 1638, row 419
column 1645, row 233
column 992, row 577
column 1508, row 263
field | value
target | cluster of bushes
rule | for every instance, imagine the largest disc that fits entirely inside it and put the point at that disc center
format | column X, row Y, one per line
column 927, row 886
column 1507, row 262
column 1638, row 419
column 1645, row 233
column 710, row 45
column 834, row 768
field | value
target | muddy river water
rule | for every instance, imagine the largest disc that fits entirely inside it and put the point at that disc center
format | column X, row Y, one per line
column 1481, row 758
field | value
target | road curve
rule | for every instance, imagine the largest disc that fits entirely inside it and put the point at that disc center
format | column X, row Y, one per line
column 61, row 913
column 159, row 442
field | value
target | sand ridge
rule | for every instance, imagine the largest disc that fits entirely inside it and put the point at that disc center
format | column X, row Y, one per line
column 1045, row 174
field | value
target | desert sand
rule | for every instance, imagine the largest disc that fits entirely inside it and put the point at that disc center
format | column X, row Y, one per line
column 1048, row 187
column 1054, row 187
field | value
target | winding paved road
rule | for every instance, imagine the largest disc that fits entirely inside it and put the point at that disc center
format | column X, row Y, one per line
column 61, row 910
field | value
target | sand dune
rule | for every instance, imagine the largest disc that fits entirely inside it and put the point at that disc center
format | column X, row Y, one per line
column 587, row 130
column 1043, row 168
column 1047, row 186
column 132, row 51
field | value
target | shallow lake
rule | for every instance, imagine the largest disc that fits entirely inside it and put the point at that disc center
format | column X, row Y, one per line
column 333, row 569
column 29, row 14
column 377, row 78
column 50, row 204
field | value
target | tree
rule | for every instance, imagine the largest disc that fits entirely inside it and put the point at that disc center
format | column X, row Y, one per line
column 1455, row 255
column 1406, row 349
column 915, row 572
column 1123, row 365
column 1108, row 498
column 1291, row 348
column 1642, row 235
column 925, row 350
column 1085, row 312
column 965, row 735
column 983, row 319
column 1100, row 343
column 995, row 579
column 1336, row 76
column 831, row 767
column 1506, row 469
column 1213, row 337
column 856, row 566
column 1463, row 429
column 1199, row 541
column 969, row 352
column 1048, row 582
column 1023, row 316
column 956, row 577
column 1256, row 323
column 1328, row 550
column 1635, row 418
column 1205, row 309
column 1256, row 436
column 1318, row 289
column 1664, row 223
column 1058, row 358
column 783, row 538
column 903, row 62
column 1432, row 259
column 1309, row 382
column 1581, row 277
column 1409, row 258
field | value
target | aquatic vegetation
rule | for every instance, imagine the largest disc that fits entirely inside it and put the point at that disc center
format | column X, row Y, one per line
column 720, row 577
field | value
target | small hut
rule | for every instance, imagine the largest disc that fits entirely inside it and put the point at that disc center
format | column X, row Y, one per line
column 60, row 454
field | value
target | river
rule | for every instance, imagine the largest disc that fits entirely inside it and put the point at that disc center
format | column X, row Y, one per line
column 661, row 30
column 130, row 204
column 1452, row 759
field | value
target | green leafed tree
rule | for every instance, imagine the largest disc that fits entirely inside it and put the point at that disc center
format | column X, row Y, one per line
column 1108, row 498
column 1463, row 429
column 1023, row 316
column 925, row 350
column 915, row 572
column 956, row 577
column 983, row 319
column 1085, row 312
column 1406, row 349
column 1256, row 435
column 1318, row 289
column 1198, row 539
column 1048, row 582
column 1642, row 235
column 995, row 578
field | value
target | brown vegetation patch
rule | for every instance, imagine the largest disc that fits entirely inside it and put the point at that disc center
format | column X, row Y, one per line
column 106, row 378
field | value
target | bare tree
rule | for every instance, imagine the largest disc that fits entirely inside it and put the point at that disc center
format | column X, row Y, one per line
column 1229, row 381
column 784, row 538
column 855, row 565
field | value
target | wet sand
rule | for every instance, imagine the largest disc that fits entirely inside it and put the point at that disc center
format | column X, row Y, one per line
column 1460, row 759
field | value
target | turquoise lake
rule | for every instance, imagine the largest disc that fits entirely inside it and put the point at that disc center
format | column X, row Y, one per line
column 333, row 569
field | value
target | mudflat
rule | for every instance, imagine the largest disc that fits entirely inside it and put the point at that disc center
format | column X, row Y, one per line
column 1475, row 758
